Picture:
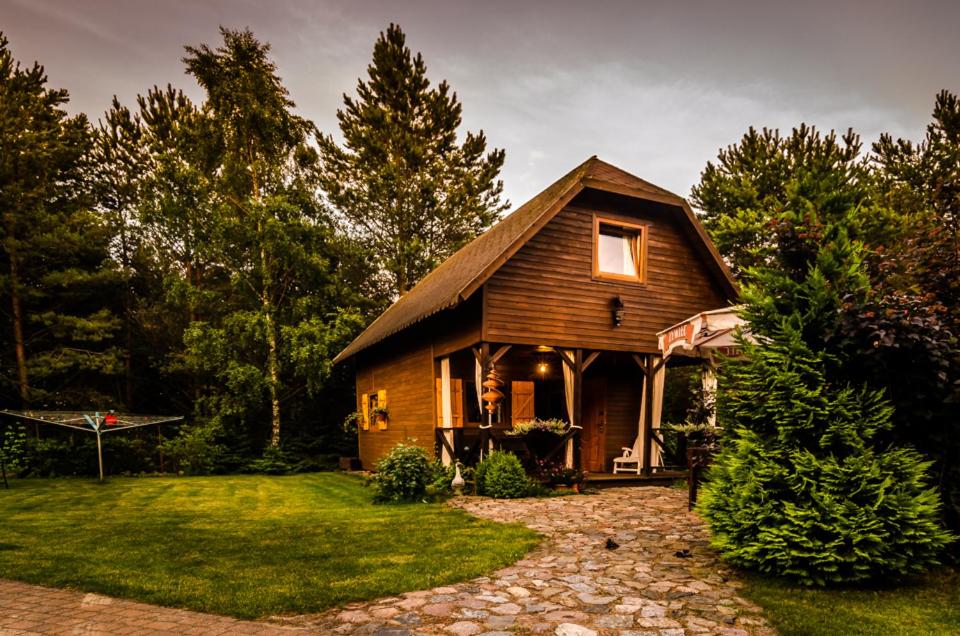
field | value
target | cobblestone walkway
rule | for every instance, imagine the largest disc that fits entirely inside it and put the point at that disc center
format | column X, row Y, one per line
column 26, row 610
column 658, row 577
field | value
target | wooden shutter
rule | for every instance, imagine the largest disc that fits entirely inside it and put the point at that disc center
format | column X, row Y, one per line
column 456, row 402
column 439, row 403
column 382, row 403
column 365, row 411
column 521, row 401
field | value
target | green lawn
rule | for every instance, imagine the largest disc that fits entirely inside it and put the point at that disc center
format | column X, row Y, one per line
column 928, row 606
column 247, row 546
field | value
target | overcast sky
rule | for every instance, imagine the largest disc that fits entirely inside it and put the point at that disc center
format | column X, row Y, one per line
column 653, row 87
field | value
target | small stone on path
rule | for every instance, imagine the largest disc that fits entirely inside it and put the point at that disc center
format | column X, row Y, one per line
column 464, row 628
column 571, row 629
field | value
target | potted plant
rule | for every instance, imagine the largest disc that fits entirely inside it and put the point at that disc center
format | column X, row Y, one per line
column 539, row 435
column 381, row 416
column 560, row 477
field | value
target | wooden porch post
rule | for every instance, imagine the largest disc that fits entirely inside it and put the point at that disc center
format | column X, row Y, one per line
column 446, row 411
column 484, row 359
column 648, row 416
column 575, row 441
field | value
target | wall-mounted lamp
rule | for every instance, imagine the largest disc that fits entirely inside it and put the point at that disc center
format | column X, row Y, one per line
column 618, row 313
column 542, row 367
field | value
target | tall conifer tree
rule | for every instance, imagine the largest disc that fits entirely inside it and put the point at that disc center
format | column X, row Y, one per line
column 402, row 184
column 766, row 195
column 54, row 249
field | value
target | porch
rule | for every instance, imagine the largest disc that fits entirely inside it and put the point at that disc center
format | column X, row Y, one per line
column 611, row 400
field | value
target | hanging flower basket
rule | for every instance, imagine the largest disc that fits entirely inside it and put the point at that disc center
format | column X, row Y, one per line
column 381, row 416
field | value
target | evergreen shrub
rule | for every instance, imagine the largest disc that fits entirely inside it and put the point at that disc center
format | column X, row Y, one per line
column 403, row 475
column 275, row 461
column 807, row 484
column 501, row 475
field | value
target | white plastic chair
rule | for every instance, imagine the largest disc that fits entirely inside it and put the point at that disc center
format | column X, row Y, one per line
column 630, row 457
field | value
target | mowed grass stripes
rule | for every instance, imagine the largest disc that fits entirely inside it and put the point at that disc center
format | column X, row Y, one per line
column 247, row 546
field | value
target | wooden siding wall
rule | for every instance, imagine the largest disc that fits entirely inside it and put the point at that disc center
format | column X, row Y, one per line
column 407, row 376
column 405, row 367
column 546, row 294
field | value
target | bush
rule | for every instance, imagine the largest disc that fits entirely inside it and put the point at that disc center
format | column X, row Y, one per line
column 275, row 461
column 403, row 475
column 806, row 485
column 501, row 475
column 556, row 474
column 196, row 449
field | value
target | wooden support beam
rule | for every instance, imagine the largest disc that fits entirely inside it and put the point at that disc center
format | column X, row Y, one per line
column 563, row 356
column 445, row 443
column 561, row 443
column 641, row 363
column 590, row 358
column 502, row 351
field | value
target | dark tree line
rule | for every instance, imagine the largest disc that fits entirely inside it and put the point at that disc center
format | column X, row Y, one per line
column 210, row 259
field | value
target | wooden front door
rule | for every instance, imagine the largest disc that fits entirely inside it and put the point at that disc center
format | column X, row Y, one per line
column 593, row 438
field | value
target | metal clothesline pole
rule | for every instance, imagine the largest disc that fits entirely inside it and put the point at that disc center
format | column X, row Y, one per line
column 93, row 423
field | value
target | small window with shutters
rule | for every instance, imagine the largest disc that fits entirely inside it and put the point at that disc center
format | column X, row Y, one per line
column 456, row 402
column 521, row 401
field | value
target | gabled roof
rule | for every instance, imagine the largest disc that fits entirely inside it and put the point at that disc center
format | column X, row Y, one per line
column 458, row 277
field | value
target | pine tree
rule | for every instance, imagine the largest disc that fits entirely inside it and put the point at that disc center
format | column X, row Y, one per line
column 768, row 194
column 807, row 485
column 402, row 184
column 117, row 161
column 54, row 249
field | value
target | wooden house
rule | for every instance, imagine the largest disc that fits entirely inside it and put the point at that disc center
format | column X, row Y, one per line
column 563, row 299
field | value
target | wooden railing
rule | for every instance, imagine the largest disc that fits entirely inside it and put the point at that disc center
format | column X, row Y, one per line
column 467, row 443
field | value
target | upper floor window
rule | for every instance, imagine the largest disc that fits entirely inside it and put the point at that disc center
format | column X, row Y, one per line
column 619, row 250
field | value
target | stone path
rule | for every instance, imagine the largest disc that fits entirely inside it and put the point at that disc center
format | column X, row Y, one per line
column 26, row 610
column 660, row 578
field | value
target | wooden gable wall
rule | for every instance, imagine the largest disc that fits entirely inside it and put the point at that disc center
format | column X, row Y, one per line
column 403, row 366
column 546, row 294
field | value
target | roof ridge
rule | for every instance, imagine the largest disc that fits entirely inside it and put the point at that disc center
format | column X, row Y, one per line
column 463, row 272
